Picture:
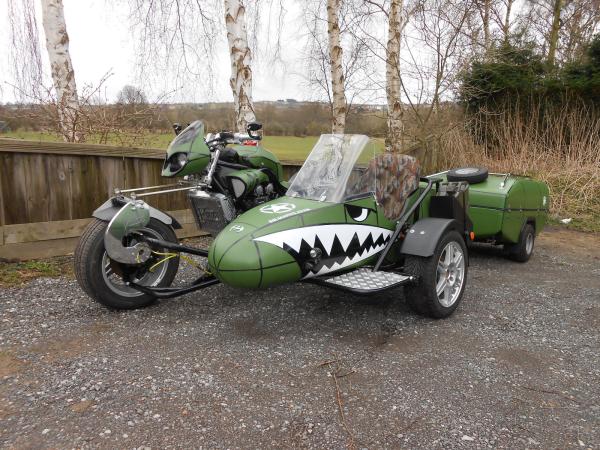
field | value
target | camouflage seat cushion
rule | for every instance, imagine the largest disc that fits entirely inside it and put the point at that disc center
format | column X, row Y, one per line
column 395, row 177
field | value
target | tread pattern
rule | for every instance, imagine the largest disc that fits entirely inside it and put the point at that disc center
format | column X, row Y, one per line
column 82, row 252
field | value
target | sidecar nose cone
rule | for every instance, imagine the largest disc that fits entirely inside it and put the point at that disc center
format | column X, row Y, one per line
column 240, row 261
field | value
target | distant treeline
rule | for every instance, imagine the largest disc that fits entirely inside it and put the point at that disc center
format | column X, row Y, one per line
column 278, row 118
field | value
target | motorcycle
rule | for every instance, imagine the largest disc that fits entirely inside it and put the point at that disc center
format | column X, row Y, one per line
column 223, row 174
column 352, row 219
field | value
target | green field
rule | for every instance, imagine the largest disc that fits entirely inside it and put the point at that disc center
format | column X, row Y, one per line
column 287, row 148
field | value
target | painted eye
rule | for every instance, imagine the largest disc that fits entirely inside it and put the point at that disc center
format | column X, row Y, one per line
column 357, row 213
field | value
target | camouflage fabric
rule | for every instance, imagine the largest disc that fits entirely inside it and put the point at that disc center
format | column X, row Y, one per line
column 395, row 177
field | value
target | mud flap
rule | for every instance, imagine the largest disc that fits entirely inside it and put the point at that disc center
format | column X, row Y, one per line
column 112, row 206
column 422, row 238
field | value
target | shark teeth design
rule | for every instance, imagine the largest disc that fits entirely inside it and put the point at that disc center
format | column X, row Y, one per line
column 341, row 245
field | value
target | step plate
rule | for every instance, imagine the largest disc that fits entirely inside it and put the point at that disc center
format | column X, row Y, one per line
column 365, row 281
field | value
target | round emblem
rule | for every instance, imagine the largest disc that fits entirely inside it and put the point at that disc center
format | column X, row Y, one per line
column 278, row 208
column 237, row 228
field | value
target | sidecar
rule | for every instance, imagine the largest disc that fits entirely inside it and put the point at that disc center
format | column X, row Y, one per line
column 351, row 219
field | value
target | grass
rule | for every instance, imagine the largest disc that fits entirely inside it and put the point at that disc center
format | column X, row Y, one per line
column 16, row 274
column 286, row 148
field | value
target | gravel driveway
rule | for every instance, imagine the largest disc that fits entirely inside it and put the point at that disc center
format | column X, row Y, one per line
column 517, row 366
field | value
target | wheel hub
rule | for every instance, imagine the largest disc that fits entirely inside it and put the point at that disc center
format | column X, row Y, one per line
column 451, row 267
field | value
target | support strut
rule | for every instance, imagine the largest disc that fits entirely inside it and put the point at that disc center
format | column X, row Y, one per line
column 160, row 243
column 170, row 292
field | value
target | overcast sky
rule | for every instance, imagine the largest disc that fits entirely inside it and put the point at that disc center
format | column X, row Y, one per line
column 101, row 41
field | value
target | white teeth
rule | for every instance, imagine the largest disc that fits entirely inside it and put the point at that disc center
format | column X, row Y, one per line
column 327, row 241
column 327, row 234
column 362, row 235
column 309, row 238
column 345, row 236
column 294, row 241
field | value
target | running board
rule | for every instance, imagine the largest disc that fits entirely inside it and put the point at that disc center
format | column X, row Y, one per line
column 365, row 281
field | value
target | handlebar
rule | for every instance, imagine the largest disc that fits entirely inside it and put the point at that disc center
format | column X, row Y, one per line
column 227, row 137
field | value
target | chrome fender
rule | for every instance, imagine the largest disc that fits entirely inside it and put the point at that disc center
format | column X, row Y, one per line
column 133, row 216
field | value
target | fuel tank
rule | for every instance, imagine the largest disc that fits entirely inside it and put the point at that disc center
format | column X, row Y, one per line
column 291, row 239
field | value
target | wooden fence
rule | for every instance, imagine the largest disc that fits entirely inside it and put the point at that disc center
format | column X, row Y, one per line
column 48, row 192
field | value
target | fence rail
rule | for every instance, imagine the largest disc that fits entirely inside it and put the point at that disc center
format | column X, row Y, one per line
column 49, row 190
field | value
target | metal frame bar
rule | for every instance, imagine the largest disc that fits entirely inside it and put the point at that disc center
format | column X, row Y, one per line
column 122, row 191
column 403, row 219
column 170, row 292
column 172, row 246
column 166, row 191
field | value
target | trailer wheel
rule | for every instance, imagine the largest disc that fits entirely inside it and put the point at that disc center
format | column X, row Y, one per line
column 442, row 277
column 522, row 250
column 101, row 278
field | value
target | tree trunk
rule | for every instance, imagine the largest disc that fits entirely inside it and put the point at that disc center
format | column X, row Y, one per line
column 241, row 58
column 395, row 112
column 554, row 32
column 506, row 24
column 63, row 75
column 338, row 122
column 487, row 40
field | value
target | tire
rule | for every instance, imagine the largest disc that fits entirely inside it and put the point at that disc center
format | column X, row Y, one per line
column 97, row 275
column 472, row 175
column 522, row 250
column 423, row 298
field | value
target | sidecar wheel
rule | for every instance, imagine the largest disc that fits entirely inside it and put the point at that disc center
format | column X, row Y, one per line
column 98, row 275
column 442, row 276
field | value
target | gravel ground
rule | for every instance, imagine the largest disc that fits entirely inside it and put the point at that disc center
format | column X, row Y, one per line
column 517, row 366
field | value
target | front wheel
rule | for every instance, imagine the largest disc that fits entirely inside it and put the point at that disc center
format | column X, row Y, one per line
column 102, row 278
column 442, row 277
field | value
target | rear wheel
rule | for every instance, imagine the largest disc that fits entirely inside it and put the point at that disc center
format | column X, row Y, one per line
column 442, row 277
column 102, row 278
column 522, row 250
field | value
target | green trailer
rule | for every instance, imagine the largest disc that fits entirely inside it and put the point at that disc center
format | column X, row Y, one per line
column 505, row 209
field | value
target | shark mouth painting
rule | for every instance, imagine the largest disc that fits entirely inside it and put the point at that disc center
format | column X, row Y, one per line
column 341, row 245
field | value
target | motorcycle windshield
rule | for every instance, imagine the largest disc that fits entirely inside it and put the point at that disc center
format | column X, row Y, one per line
column 185, row 140
column 334, row 168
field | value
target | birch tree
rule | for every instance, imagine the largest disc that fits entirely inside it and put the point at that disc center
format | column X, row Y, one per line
column 358, row 63
column 554, row 31
column 61, row 68
column 241, row 59
column 485, row 9
column 393, row 88
column 338, row 122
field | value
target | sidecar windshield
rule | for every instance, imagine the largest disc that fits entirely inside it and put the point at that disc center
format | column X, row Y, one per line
column 332, row 171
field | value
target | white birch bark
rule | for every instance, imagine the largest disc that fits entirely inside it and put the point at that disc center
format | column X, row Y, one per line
column 241, row 59
column 338, row 123
column 487, row 39
column 392, row 74
column 63, row 75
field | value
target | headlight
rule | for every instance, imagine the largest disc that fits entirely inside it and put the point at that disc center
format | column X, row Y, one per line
column 177, row 161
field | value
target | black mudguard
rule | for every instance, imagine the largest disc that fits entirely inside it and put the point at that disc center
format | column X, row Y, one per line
column 109, row 208
column 422, row 238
